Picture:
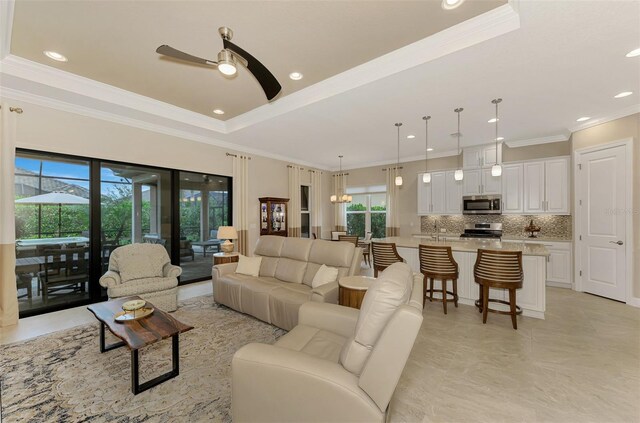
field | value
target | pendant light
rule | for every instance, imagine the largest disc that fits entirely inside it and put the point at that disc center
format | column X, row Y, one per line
column 398, row 177
column 426, row 176
column 458, row 175
column 341, row 197
column 496, row 169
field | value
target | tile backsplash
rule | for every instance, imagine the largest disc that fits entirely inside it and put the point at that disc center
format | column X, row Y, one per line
column 512, row 225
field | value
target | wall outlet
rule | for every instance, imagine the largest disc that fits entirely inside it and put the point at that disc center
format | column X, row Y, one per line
column 443, row 230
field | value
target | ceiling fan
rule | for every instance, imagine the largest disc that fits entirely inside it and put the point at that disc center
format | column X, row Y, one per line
column 226, row 64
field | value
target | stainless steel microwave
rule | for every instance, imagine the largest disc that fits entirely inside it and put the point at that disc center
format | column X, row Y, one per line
column 482, row 204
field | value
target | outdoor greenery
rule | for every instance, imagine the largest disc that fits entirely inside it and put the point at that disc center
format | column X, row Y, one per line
column 356, row 222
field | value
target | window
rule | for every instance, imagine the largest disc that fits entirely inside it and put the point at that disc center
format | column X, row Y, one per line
column 305, row 217
column 367, row 213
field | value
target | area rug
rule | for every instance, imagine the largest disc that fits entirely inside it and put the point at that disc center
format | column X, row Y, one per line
column 63, row 377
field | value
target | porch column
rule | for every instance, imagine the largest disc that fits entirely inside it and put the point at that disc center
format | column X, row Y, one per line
column 136, row 211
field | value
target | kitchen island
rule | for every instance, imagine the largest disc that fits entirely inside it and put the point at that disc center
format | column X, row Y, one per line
column 531, row 298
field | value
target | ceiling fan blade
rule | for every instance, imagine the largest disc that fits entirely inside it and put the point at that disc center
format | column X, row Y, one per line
column 269, row 83
column 166, row 50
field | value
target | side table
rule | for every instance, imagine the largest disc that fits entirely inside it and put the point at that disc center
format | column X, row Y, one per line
column 351, row 290
column 222, row 258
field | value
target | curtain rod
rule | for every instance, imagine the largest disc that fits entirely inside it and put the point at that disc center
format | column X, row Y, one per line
column 235, row 155
column 341, row 174
column 391, row 168
column 292, row 166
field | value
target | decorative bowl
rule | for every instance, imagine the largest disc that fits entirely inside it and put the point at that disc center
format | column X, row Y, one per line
column 133, row 305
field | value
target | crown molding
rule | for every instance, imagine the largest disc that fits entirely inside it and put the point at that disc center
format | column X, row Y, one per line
column 541, row 140
column 30, row 98
column 6, row 26
column 491, row 24
column 627, row 111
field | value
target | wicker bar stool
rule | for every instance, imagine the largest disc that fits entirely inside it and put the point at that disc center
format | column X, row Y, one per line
column 437, row 262
column 384, row 255
column 498, row 269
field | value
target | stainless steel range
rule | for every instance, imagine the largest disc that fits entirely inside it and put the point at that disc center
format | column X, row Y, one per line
column 482, row 230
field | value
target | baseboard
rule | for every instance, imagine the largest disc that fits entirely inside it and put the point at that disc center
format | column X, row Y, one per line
column 559, row 284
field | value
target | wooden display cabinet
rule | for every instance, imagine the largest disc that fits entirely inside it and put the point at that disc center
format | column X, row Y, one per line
column 273, row 216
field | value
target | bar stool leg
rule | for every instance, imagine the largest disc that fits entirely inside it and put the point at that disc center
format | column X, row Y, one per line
column 430, row 289
column 455, row 292
column 485, row 302
column 444, row 295
column 512, row 306
column 480, row 299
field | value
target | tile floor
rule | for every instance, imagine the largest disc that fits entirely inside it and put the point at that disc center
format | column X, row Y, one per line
column 582, row 363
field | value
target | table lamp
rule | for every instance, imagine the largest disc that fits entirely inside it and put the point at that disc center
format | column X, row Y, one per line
column 228, row 233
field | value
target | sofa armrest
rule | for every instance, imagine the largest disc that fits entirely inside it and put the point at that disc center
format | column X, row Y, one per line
column 171, row 271
column 223, row 269
column 327, row 293
column 270, row 383
column 331, row 317
column 110, row 279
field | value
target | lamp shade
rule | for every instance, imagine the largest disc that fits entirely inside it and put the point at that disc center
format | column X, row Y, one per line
column 398, row 180
column 458, row 175
column 227, row 232
column 426, row 177
column 496, row 170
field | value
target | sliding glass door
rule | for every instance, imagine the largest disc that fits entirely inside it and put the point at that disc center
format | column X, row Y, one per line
column 204, row 207
column 52, row 231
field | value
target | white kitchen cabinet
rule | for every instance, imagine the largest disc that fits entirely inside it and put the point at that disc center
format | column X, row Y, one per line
column 472, row 182
column 534, row 188
column 453, row 194
column 559, row 264
column 546, row 187
column 481, row 182
column 557, row 186
column 512, row 188
column 432, row 196
column 483, row 155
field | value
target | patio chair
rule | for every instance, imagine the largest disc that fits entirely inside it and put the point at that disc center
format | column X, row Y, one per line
column 64, row 269
column 186, row 249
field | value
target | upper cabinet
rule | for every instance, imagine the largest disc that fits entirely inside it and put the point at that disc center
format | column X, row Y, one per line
column 436, row 196
column 546, row 187
column 453, row 194
column 481, row 182
column 512, row 188
column 484, row 155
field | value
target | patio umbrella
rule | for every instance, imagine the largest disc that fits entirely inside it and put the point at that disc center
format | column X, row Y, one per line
column 53, row 198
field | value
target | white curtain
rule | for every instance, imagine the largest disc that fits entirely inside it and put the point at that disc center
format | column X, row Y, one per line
column 340, row 187
column 316, row 202
column 8, row 287
column 294, row 218
column 393, row 191
column 241, row 201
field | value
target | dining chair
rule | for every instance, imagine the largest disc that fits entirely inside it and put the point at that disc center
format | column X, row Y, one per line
column 336, row 234
column 349, row 238
column 64, row 269
column 365, row 244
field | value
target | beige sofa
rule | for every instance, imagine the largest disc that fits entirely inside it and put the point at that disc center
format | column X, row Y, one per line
column 339, row 364
column 284, row 282
column 144, row 270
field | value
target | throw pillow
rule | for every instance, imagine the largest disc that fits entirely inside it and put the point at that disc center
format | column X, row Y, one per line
column 249, row 265
column 386, row 294
column 324, row 275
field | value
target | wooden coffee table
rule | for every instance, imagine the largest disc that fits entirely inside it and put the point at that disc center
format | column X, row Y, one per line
column 140, row 333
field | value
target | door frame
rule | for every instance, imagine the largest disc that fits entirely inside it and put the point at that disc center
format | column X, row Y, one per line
column 577, row 154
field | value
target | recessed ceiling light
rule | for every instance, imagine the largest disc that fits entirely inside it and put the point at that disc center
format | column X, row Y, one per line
column 218, row 111
column 634, row 53
column 494, row 120
column 451, row 4
column 623, row 94
column 411, row 137
column 582, row 119
column 55, row 56
column 296, row 76
column 429, row 149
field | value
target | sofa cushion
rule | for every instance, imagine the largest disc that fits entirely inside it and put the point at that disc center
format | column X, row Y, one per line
column 248, row 265
column 142, row 286
column 334, row 254
column 268, row 266
column 269, row 246
column 324, row 275
column 386, row 294
column 284, row 304
column 289, row 270
column 312, row 341
column 254, row 296
column 297, row 248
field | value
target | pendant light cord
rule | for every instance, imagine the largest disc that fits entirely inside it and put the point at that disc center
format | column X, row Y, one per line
column 426, row 142
column 496, row 102
column 398, row 125
column 458, row 110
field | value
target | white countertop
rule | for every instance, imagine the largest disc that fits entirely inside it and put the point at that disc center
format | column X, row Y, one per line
column 540, row 239
column 471, row 245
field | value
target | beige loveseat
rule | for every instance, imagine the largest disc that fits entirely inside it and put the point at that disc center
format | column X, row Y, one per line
column 144, row 270
column 339, row 364
column 284, row 282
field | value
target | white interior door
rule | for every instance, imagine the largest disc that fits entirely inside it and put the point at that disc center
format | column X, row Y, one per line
column 602, row 189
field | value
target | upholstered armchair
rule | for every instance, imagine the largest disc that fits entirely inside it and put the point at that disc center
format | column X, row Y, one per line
column 339, row 364
column 144, row 270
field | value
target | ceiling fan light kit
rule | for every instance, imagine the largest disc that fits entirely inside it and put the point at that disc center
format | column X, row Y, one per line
column 227, row 64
